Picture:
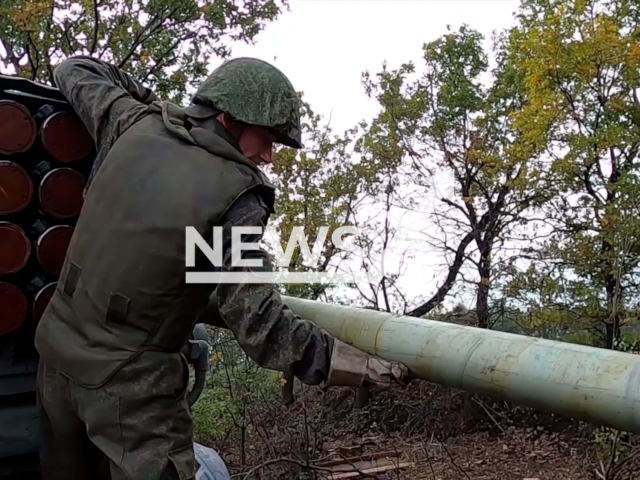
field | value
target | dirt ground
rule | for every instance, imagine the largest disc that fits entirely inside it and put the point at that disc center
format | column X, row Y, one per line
column 442, row 434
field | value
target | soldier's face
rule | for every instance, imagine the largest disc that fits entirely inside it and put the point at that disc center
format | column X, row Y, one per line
column 256, row 144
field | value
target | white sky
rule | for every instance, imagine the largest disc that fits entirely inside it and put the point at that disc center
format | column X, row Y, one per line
column 324, row 46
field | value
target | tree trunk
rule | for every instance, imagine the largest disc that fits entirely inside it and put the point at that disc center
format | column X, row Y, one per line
column 482, row 299
column 444, row 289
column 243, row 443
column 613, row 331
column 612, row 322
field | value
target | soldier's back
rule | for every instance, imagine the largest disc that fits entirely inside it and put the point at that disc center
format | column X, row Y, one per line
column 122, row 288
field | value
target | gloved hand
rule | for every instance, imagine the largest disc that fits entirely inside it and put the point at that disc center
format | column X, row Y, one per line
column 351, row 367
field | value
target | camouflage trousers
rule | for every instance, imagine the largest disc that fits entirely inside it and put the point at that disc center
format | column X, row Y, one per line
column 136, row 426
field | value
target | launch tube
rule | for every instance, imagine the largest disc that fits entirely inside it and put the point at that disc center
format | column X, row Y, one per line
column 42, row 299
column 16, row 188
column 18, row 130
column 65, row 138
column 60, row 193
column 15, row 248
column 51, row 248
column 592, row 384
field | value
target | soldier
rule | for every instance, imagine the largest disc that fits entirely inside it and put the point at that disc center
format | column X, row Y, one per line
column 112, row 381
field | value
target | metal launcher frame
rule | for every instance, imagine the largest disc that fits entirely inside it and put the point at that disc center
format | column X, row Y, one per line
column 46, row 155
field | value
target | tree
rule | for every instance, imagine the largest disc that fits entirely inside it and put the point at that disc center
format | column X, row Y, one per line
column 319, row 189
column 448, row 121
column 165, row 43
column 377, row 232
column 581, row 63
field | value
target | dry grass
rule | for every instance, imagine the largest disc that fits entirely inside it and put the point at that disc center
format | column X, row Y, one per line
column 447, row 434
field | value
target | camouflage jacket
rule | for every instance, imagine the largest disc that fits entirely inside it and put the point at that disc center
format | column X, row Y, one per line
column 160, row 168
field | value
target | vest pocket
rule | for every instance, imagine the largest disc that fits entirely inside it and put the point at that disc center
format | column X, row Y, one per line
column 71, row 282
column 117, row 309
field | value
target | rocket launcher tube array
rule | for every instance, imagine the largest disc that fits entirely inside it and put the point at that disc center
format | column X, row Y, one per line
column 44, row 160
column 592, row 384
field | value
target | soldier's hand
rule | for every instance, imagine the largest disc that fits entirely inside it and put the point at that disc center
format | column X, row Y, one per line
column 355, row 368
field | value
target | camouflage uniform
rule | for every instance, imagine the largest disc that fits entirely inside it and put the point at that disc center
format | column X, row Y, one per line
column 112, row 376
column 136, row 426
column 112, row 381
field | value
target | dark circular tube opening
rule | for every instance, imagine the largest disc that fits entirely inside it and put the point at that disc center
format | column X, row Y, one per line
column 15, row 248
column 16, row 188
column 19, row 130
column 51, row 248
column 65, row 138
column 42, row 299
column 61, row 193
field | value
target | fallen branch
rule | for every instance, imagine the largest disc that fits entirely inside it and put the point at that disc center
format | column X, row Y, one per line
column 481, row 403
column 460, row 469
column 280, row 460
column 369, row 471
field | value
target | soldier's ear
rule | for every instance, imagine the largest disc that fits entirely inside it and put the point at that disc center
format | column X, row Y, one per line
column 225, row 119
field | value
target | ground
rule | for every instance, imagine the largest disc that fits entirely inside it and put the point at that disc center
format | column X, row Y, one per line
column 446, row 434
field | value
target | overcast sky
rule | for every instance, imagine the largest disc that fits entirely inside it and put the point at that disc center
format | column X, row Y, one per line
column 324, row 46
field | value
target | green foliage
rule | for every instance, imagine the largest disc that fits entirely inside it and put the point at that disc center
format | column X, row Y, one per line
column 318, row 186
column 581, row 62
column 235, row 386
column 165, row 43
column 451, row 121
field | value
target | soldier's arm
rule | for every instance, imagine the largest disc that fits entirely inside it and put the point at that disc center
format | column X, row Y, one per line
column 107, row 100
column 266, row 329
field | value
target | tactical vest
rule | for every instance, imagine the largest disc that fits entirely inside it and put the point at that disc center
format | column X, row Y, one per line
column 122, row 289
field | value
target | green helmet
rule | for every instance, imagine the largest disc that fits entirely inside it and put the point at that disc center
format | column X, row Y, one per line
column 257, row 93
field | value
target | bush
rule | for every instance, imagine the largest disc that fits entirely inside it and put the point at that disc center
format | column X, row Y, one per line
column 234, row 386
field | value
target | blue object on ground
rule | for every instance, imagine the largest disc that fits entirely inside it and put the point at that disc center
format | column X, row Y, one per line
column 211, row 465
